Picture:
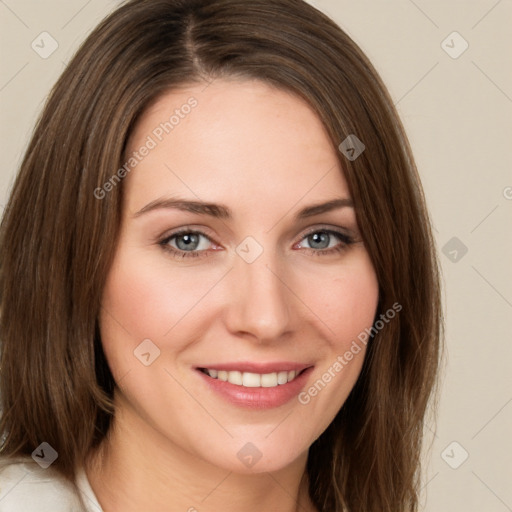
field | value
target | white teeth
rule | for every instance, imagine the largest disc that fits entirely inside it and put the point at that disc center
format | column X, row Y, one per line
column 253, row 380
column 235, row 378
column 282, row 377
column 269, row 380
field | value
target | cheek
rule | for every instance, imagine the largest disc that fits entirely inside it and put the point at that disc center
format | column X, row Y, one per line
column 347, row 302
column 147, row 299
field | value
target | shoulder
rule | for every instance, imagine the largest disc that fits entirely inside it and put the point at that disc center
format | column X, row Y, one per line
column 26, row 487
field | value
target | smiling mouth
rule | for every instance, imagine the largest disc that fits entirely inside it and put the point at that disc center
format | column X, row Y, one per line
column 253, row 380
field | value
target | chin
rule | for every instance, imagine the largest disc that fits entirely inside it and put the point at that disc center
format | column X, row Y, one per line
column 257, row 454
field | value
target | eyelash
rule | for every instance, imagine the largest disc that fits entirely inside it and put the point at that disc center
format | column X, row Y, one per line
column 179, row 254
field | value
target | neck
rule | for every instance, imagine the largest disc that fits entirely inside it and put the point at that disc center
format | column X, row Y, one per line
column 136, row 468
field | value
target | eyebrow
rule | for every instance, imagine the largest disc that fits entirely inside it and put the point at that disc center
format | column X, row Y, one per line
column 220, row 211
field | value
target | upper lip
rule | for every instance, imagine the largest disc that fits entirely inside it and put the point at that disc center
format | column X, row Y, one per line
column 254, row 367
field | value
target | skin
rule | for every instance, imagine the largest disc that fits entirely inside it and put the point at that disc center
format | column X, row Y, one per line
column 173, row 446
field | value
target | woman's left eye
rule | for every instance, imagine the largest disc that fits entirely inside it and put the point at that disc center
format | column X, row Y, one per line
column 325, row 241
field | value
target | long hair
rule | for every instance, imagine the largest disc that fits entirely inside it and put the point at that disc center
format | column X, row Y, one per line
column 57, row 239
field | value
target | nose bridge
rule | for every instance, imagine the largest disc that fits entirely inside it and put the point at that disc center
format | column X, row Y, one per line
column 261, row 301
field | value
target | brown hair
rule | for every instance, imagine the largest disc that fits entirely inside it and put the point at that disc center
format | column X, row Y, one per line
column 57, row 239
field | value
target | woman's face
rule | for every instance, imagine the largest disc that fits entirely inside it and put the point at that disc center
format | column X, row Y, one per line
column 239, row 258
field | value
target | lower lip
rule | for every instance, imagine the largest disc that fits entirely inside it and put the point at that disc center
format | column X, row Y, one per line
column 257, row 398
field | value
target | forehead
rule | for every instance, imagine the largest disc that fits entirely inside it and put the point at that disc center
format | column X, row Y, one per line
column 233, row 139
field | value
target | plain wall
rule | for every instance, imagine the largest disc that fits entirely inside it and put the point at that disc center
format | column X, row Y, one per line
column 457, row 110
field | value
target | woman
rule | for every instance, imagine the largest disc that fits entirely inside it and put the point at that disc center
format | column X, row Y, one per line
column 219, row 287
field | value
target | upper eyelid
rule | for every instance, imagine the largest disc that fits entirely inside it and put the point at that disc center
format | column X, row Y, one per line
column 336, row 230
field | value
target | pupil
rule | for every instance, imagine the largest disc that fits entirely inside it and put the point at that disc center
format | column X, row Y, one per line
column 319, row 240
column 185, row 242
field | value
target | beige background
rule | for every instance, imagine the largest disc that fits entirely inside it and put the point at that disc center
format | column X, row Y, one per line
column 458, row 114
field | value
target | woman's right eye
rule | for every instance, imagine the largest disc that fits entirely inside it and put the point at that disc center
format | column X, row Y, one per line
column 186, row 244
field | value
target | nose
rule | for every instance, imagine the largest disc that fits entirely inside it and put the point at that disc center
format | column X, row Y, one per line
column 260, row 301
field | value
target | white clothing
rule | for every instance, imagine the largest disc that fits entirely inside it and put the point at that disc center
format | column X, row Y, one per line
column 27, row 487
